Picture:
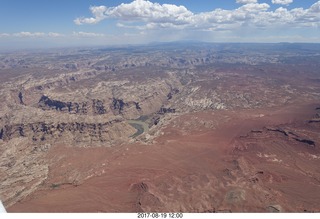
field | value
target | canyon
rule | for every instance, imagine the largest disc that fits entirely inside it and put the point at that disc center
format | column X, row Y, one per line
column 192, row 127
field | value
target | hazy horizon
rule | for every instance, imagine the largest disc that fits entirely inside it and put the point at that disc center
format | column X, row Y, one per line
column 33, row 24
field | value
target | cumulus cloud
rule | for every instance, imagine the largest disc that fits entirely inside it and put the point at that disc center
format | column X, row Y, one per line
column 282, row 2
column 139, row 10
column 315, row 8
column 98, row 13
column 297, row 17
column 246, row 1
column 143, row 14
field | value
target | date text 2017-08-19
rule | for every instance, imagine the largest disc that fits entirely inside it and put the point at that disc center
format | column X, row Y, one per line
column 160, row 215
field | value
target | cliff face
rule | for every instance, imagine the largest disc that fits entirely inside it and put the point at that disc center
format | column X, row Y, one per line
column 92, row 107
column 127, row 101
column 46, row 103
column 74, row 131
column 119, row 107
column 26, row 140
column 83, row 98
column 45, row 113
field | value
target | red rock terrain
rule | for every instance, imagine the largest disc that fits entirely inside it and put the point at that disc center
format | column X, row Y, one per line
column 167, row 128
column 251, row 161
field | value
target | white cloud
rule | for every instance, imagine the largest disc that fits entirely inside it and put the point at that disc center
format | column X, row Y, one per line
column 282, row 2
column 254, row 8
column 155, row 15
column 143, row 14
column 295, row 18
column 87, row 34
column 246, row 1
column 52, row 34
column 29, row 34
column 140, row 10
column 315, row 8
column 98, row 13
column 25, row 34
column 4, row 35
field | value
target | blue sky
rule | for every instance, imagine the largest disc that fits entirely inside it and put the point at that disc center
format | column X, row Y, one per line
column 48, row 23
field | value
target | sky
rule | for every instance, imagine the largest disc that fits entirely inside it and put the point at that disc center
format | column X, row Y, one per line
column 62, row 23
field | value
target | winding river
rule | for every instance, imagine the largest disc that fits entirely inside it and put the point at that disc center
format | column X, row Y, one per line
column 140, row 126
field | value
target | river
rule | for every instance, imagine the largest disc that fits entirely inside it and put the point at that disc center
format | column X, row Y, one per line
column 140, row 126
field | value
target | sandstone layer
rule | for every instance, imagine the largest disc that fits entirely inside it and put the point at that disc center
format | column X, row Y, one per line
column 170, row 128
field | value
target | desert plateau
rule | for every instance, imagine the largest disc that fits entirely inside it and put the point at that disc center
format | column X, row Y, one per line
column 164, row 127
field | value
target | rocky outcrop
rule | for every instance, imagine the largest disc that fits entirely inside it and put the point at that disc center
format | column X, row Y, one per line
column 316, row 120
column 278, row 130
column 164, row 110
column 306, row 141
column 98, row 107
column 46, row 103
column 130, row 109
column 77, row 131
column 145, row 200
column 291, row 135
column 119, row 106
column 172, row 92
column 21, row 98
column 296, row 138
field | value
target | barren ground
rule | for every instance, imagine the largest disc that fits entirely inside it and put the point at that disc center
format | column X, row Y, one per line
column 221, row 128
column 192, row 171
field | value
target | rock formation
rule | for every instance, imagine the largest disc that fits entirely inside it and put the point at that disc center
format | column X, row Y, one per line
column 82, row 100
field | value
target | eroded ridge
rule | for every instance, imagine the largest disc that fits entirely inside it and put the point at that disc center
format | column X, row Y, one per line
column 168, row 129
